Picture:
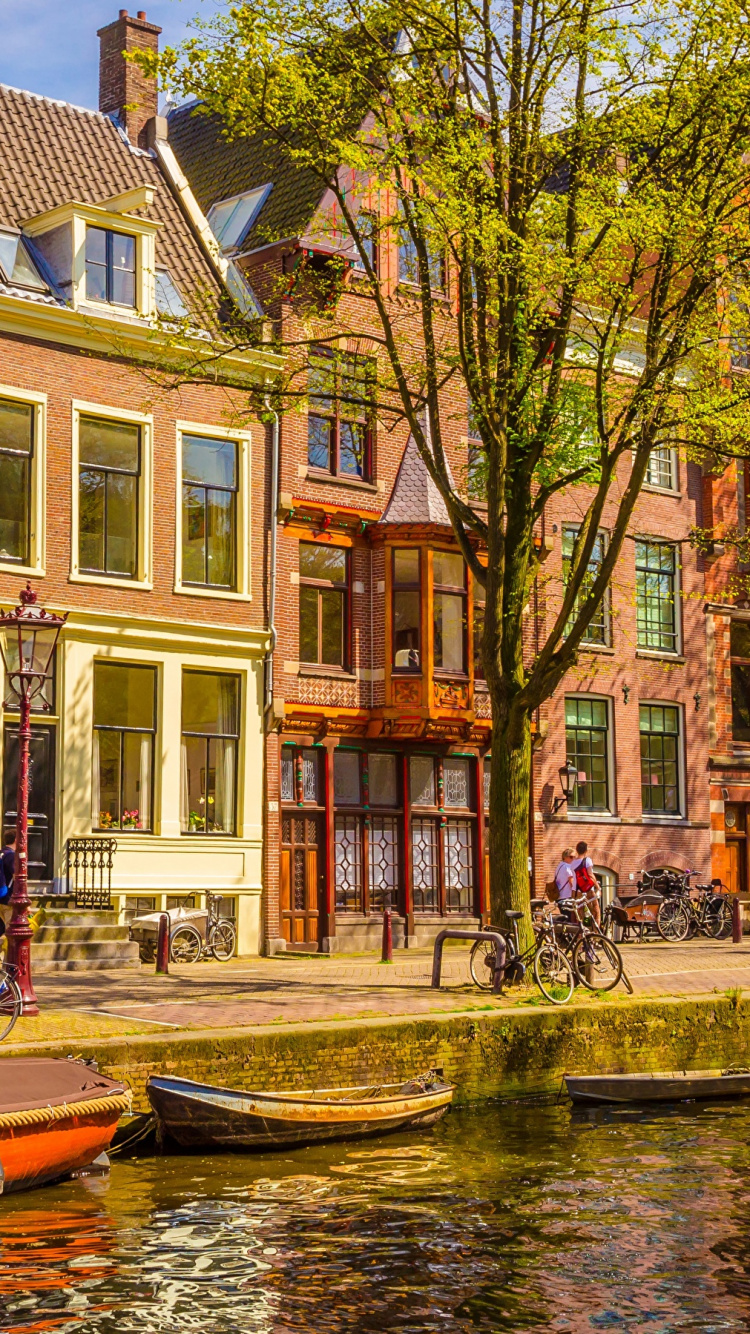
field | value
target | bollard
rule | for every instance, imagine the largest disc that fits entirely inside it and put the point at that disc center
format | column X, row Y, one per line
column 162, row 945
column 387, row 951
column 736, row 920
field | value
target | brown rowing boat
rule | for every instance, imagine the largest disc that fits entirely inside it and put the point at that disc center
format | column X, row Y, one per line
column 202, row 1116
column 56, row 1117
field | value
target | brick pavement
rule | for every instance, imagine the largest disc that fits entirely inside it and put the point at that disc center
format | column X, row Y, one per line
column 290, row 989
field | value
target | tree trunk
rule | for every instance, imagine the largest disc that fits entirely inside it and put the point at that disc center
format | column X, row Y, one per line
column 510, row 796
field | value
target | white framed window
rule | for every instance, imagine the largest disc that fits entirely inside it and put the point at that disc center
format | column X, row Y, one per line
column 657, row 593
column 661, row 471
column 112, row 503
column 589, row 742
column 23, row 442
column 212, row 539
column 662, row 759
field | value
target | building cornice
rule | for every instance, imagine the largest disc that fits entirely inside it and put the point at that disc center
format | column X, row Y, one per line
column 135, row 632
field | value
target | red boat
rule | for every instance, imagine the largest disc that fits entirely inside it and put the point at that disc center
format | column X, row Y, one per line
column 56, row 1117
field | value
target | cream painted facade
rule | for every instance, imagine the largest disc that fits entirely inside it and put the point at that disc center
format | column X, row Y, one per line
column 165, row 863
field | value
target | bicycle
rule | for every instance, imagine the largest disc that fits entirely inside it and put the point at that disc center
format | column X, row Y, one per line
column 552, row 971
column 681, row 915
column 188, row 945
column 597, row 962
column 11, row 1003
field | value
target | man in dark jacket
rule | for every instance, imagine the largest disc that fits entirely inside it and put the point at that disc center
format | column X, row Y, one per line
column 7, row 868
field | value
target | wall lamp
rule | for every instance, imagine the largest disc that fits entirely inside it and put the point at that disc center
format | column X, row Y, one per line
column 568, row 779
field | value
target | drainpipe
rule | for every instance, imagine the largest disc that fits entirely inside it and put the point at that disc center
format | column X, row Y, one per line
column 272, row 575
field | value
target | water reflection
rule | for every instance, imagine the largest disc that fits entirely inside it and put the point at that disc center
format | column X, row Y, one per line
column 505, row 1219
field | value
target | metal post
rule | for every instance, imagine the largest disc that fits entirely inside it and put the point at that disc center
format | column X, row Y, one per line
column 736, row 920
column 387, row 950
column 19, row 930
column 162, row 945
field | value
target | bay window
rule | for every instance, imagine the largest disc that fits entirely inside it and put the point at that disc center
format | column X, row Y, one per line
column 210, row 736
column 407, row 609
column 449, row 611
column 123, row 746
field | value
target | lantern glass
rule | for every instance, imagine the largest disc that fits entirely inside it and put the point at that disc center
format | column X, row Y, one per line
column 568, row 775
column 37, row 647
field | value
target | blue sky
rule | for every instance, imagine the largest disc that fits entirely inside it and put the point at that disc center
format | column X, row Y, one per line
column 51, row 46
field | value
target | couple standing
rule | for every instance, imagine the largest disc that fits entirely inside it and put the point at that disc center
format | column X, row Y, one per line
column 575, row 875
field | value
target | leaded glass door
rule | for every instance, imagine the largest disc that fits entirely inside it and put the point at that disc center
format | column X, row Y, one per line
column 301, row 879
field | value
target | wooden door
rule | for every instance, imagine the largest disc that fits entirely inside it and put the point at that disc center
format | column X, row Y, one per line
column 736, row 855
column 301, row 880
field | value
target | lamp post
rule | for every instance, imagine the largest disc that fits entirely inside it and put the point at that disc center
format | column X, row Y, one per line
column 28, row 637
column 568, row 778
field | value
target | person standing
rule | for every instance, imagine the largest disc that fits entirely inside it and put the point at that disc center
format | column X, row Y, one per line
column 586, row 881
column 565, row 876
column 7, row 869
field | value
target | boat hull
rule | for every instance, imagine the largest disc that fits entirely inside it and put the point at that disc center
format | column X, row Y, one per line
column 671, row 1086
column 199, row 1116
column 34, row 1155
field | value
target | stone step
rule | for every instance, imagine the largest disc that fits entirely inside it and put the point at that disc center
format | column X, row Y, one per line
column 83, row 919
column 51, row 932
column 80, row 951
column 85, row 965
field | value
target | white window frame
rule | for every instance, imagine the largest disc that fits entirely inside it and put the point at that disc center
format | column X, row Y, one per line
column 675, row 487
column 144, row 555
column 37, row 534
column 657, row 817
column 243, row 440
column 581, row 815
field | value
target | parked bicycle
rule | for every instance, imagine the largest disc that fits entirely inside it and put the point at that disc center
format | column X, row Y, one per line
column 596, row 961
column 708, row 914
column 552, row 971
column 11, row 1003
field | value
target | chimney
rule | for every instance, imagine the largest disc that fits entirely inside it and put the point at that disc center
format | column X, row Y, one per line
column 123, row 88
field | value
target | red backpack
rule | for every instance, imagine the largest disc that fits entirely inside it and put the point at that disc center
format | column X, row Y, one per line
column 584, row 879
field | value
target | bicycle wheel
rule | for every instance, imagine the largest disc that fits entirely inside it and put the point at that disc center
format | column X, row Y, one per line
column 185, row 945
column 222, row 941
column 10, row 1004
column 718, row 919
column 672, row 920
column 597, row 963
column 482, row 963
column 553, row 974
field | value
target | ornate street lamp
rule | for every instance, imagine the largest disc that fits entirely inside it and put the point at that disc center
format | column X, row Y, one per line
column 28, row 637
column 568, row 779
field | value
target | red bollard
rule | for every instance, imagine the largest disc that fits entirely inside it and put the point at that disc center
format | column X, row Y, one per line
column 736, row 920
column 387, row 951
column 162, row 945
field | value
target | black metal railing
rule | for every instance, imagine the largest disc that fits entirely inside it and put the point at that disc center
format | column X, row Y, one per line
column 89, row 864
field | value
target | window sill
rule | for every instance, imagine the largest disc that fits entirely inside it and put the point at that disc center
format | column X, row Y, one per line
column 440, row 674
column 661, row 491
column 606, row 649
column 31, row 571
column 661, row 655
column 319, row 669
column 592, row 817
column 340, row 479
column 109, row 581
column 648, row 818
column 224, row 594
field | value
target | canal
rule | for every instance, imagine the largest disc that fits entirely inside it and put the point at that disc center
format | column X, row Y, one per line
column 506, row 1218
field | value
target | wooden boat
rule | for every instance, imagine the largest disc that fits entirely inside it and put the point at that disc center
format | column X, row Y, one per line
column 56, row 1117
column 669, row 1086
column 201, row 1116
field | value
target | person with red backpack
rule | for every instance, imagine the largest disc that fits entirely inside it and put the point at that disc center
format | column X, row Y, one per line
column 586, row 881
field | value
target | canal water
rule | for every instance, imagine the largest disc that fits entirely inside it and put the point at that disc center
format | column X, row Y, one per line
column 504, row 1218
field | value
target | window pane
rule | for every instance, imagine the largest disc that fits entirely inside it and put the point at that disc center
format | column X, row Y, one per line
column 408, row 270
column 383, row 863
column 352, row 449
column 319, row 442
column 221, row 786
column 220, row 538
column 124, row 695
column 194, row 753
column 348, row 860
column 458, row 866
column 96, row 245
column 16, row 426
column 480, row 597
column 346, row 778
column 597, row 631
column 740, row 702
column 422, row 780
column 210, row 462
column 406, row 565
column 106, row 809
column 123, row 288
column 210, row 703
column 193, row 535
column 424, row 856
column 137, row 755
column 308, row 624
column 740, row 639
column 382, row 780
column 123, row 251
column 310, row 775
column 91, row 520
column 14, row 507
column 109, row 444
column 332, row 627
column 456, row 782
column 586, row 744
column 122, row 521
column 448, row 622
column 655, row 590
column 287, row 774
column 487, row 778
column 317, row 561
column 406, row 614
column 660, row 470
column 96, row 264
column 448, row 570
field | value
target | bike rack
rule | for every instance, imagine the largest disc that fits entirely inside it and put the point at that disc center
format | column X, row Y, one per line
column 442, row 936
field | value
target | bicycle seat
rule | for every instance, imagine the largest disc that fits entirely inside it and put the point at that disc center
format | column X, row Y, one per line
column 512, row 915
column 538, row 903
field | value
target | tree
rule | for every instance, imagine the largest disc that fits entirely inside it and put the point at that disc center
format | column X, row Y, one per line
column 584, row 171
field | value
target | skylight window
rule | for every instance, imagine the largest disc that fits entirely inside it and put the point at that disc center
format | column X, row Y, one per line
column 230, row 220
column 168, row 300
column 16, row 263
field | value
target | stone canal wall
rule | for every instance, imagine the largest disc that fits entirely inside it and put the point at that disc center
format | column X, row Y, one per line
column 499, row 1054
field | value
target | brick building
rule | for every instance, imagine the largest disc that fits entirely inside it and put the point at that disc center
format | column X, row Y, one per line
column 135, row 508
column 378, row 721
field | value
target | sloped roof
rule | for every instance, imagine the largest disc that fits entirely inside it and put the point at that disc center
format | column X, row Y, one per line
column 52, row 153
column 219, row 168
column 415, row 497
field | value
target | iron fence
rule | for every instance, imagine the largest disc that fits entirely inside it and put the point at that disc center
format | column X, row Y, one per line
column 89, row 864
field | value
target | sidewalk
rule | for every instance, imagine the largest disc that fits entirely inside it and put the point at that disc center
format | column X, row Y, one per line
column 291, row 989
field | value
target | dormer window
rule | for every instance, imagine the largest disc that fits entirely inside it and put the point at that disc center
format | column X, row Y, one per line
column 110, row 267
column 16, row 264
column 230, row 219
